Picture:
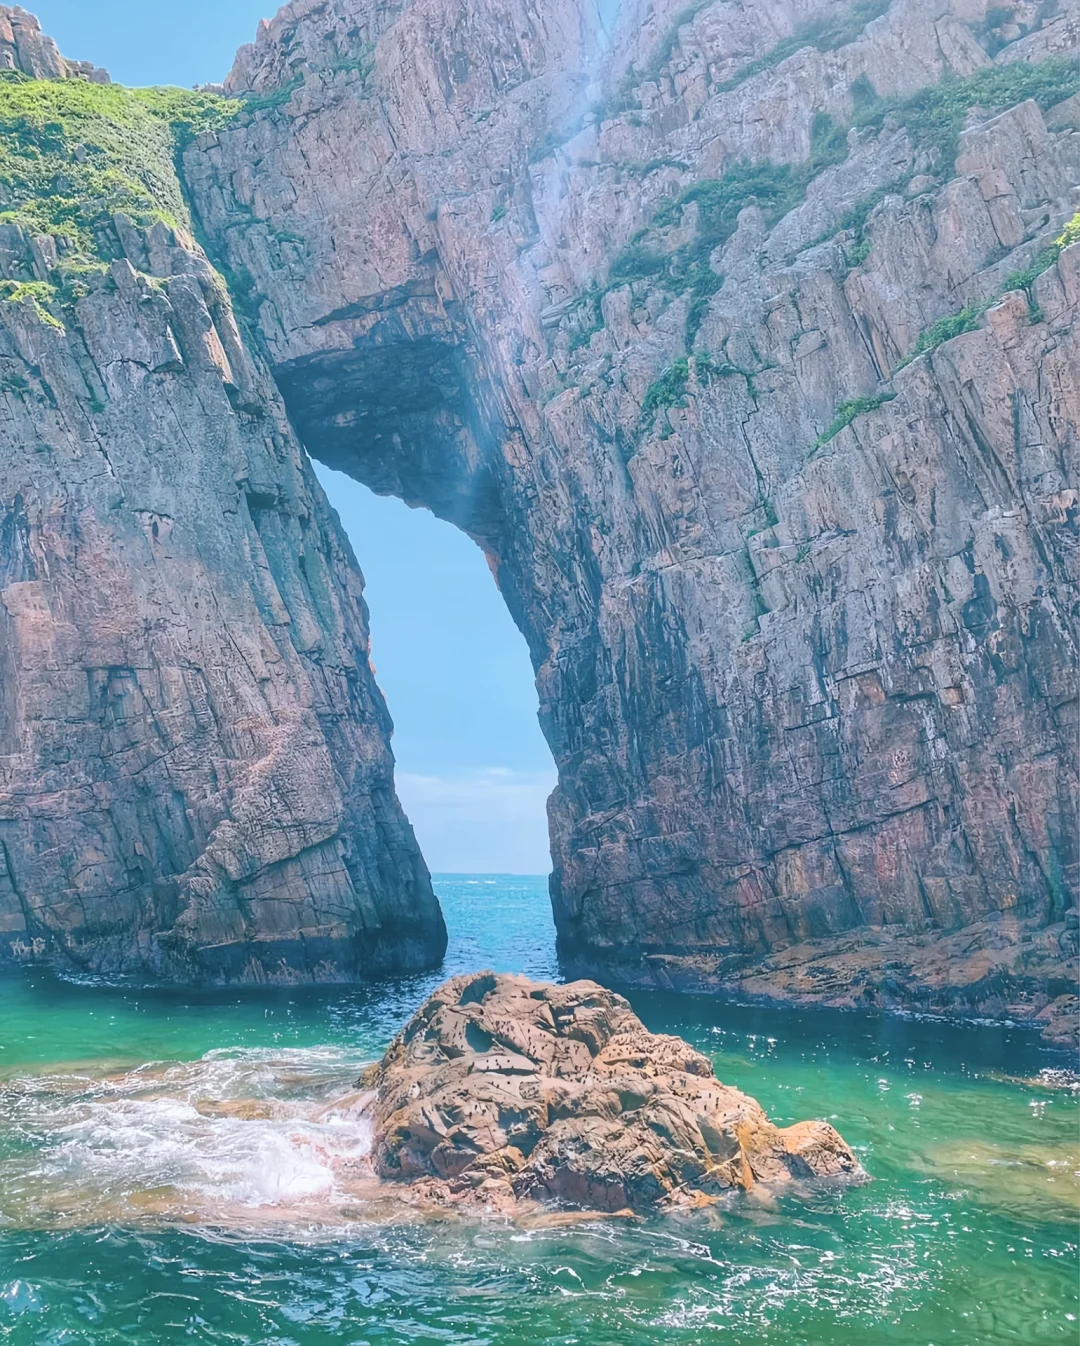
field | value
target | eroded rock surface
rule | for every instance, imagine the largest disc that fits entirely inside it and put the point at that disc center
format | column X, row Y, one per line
column 753, row 368
column 501, row 1088
column 195, row 773
column 800, row 605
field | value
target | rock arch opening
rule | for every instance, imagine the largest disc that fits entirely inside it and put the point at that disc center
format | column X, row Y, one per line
column 472, row 768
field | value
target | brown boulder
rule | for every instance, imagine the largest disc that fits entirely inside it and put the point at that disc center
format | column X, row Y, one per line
column 503, row 1088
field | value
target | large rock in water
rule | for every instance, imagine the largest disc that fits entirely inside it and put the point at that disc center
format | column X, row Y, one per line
column 783, row 514
column 502, row 1088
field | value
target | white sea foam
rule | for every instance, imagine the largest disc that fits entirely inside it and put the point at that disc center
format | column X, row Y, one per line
column 128, row 1146
column 249, row 1129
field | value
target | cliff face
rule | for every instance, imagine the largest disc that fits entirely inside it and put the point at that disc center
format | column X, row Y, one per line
column 742, row 339
column 632, row 296
column 195, row 773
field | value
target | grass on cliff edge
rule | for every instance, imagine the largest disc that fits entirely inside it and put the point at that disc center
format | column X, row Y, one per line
column 72, row 154
column 935, row 116
column 954, row 325
column 969, row 317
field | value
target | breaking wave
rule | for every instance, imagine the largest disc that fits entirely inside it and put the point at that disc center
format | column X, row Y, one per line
column 234, row 1132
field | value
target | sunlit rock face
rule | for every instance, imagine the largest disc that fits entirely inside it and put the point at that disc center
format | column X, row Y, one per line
column 501, row 1089
column 799, row 608
column 25, row 48
column 196, row 781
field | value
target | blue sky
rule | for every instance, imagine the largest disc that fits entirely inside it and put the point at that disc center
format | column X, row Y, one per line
column 474, row 771
column 473, row 768
column 153, row 41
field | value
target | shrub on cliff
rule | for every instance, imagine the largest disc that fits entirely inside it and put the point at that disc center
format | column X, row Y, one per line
column 73, row 154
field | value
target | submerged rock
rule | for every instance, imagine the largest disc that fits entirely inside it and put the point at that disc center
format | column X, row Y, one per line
column 502, row 1088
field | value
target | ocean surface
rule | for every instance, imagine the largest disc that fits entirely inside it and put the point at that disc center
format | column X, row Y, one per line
column 168, row 1174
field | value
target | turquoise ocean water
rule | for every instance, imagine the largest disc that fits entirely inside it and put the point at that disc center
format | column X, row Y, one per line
column 166, row 1175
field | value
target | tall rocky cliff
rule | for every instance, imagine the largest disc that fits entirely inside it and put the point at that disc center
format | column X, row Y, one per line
column 195, row 774
column 743, row 339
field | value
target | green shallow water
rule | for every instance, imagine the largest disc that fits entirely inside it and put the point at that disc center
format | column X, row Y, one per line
column 132, row 1212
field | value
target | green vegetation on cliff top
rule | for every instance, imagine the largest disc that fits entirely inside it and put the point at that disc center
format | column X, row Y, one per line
column 934, row 118
column 73, row 154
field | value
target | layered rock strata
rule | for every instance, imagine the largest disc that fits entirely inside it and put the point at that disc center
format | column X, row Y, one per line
column 501, row 1089
column 195, row 773
column 743, row 341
